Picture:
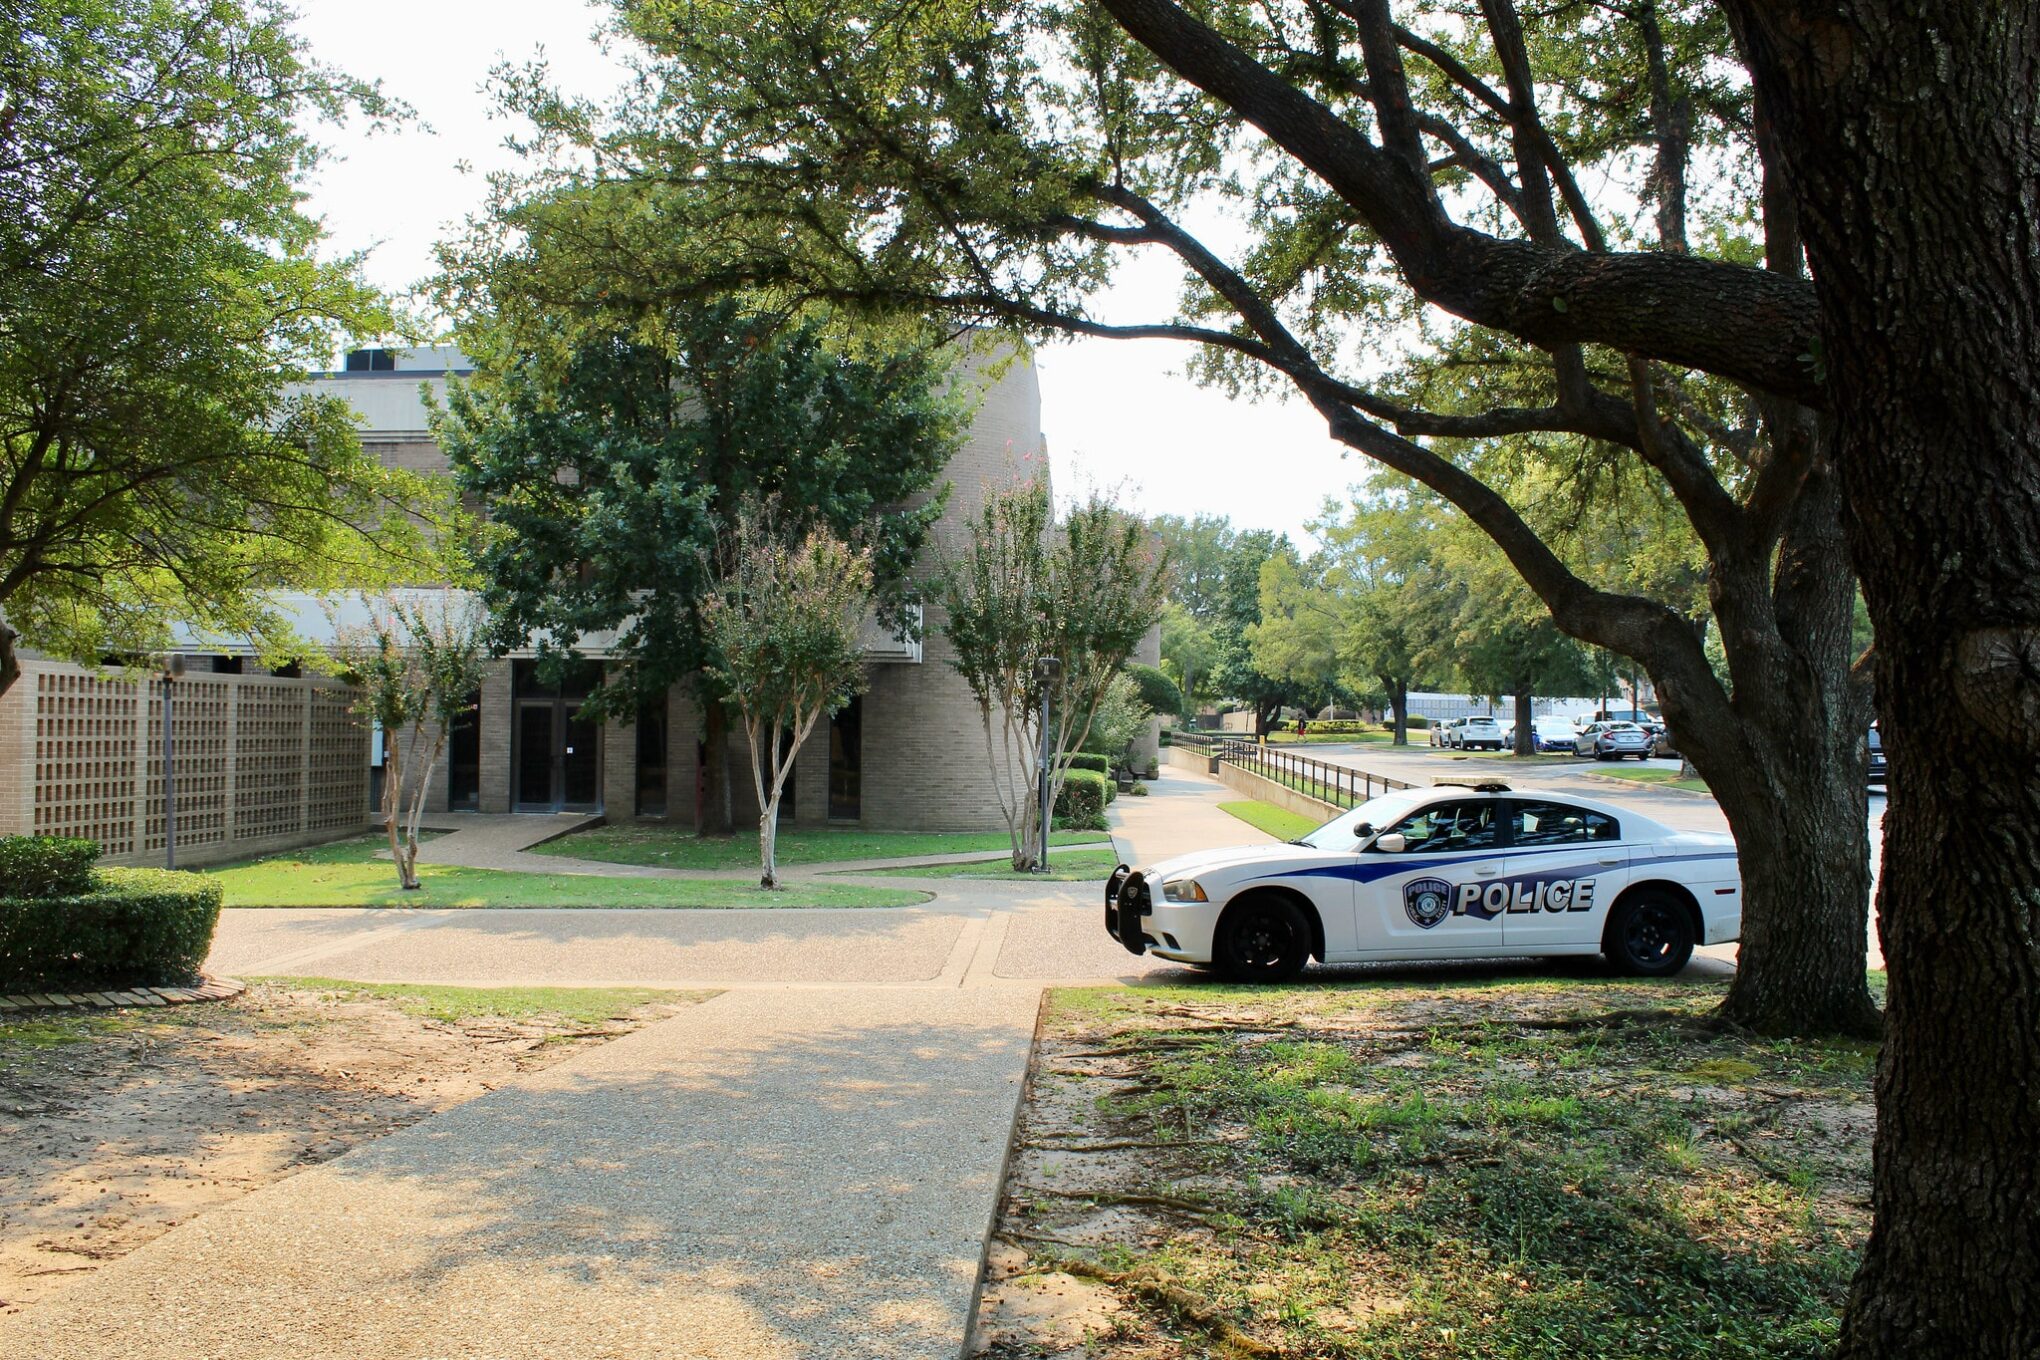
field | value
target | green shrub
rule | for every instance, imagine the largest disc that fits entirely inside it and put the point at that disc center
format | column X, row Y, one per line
column 1139, row 790
column 1161, row 694
column 131, row 927
column 1084, row 760
column 46, row 866
column 1080, row 806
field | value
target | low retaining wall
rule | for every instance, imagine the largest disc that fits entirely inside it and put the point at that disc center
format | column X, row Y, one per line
column 1268, row 791
column 1192, row 758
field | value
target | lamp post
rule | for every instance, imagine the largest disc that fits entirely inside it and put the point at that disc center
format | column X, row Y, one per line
column 1046, row 669
column 173, row 669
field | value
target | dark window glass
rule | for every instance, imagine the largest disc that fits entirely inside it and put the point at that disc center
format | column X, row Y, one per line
column 464, row 759
column 651, row 759
column 371, row 361
column 1534, row 824
column 846, row 762
column 1448, row 827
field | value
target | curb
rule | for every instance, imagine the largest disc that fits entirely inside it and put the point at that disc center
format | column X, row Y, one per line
column 209, row 989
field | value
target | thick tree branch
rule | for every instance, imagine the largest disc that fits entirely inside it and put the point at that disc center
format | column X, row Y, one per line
column 1743, row 324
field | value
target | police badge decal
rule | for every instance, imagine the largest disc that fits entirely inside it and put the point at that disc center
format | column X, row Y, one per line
column 1427, row 901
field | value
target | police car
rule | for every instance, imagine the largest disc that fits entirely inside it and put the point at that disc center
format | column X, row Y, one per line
column 1449, row 872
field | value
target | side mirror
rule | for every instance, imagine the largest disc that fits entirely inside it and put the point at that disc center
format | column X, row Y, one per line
column 1393, row 843
column 1363, row 831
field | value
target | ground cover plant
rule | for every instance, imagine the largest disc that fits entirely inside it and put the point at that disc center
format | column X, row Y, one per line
column 1451, row 1164
column 1280, row 823
column 1067, row 866
column 674, row 847
column 347, row 874
column 1644, row 774
column 117, row 1125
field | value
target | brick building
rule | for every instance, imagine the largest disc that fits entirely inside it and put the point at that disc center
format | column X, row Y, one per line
column 906, row 754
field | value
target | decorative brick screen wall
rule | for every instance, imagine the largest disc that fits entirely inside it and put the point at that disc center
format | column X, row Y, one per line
column 261, row 763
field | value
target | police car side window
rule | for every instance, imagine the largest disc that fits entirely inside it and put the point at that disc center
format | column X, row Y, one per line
column 1449, row 826
column 1537, row 824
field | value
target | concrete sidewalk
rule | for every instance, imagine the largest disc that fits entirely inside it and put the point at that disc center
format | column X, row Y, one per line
column 1179, row 815
column 772, row 1174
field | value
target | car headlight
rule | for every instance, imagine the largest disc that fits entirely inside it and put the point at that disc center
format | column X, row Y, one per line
column 1184, row 890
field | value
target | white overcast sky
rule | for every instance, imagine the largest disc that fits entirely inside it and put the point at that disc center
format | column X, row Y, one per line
column 1116, row 413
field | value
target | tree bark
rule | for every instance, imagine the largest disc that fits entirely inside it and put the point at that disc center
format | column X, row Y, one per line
column 1912, row 143
column 1526, row 733
column 10, row 661
column 1399, row 708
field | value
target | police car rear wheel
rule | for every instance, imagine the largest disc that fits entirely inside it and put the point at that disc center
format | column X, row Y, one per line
column 1649, row 935
column 1263, row 939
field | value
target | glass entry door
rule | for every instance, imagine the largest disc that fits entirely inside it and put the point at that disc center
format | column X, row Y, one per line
column 558, row 754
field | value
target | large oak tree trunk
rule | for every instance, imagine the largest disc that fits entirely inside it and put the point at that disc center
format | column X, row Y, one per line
column 1913, row 140
column 1399, row 711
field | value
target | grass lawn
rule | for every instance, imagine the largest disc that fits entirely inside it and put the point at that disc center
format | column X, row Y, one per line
column 670, row 847
column 1280, row 823
column 1068, row 866
column 1379, row 737
column 1644, row 774
column 1533, row 1166
column 346, row 874
column 454, row 1005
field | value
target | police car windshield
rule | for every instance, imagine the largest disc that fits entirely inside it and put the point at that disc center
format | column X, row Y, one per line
column 1382, row 812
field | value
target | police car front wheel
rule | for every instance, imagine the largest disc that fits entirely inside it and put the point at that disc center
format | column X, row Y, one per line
column 1649, row 934
column 1263, row 939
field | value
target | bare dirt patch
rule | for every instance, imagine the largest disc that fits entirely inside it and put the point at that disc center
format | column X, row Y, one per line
column 117, row 1126
column 1523, row 1167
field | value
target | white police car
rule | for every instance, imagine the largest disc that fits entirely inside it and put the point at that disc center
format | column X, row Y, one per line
column 1450, row 872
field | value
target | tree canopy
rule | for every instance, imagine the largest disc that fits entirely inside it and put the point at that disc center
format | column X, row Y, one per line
column 161, row 297
column 608, row 473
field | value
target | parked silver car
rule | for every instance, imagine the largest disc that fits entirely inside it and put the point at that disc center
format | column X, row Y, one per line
column 1612, row 741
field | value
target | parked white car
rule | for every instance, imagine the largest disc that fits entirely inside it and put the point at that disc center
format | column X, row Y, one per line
column 1453, row 872
column 1478, row 734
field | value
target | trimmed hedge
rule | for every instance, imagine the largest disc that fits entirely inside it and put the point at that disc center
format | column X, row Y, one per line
column 131, row 927
column 1084, row 760
column 1161, row 694
column 46, row 866
column 1080, row 806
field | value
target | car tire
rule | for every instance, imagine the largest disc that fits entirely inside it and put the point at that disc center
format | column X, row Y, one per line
column 1649, row 934
column 1263, row 938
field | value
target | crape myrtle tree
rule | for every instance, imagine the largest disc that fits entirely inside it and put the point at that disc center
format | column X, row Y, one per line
column 781, row 616
column 608, row 460
column 1022, row 586
column 1876, row 325
column 415, row 665
column 161, row 292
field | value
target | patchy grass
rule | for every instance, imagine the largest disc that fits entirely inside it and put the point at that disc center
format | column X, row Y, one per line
column 1069, row 866
column 1645, row 774
column 1378, row 737
column 670, row 847
column 1531, row 1168
column 346, row 874
column 458, row 1005
column 1280, row 823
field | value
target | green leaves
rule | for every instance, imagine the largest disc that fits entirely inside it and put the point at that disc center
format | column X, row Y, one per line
column 610, row 461
column 160, row 294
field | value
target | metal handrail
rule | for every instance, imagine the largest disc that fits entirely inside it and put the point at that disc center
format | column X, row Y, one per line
column 1339, row 785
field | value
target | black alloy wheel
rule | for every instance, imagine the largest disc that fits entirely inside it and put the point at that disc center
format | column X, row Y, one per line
column 1263, row 939
column 1649, row 934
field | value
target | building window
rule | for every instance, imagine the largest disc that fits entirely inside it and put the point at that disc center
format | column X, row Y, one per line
column 846, row 762
column 651, row 758
column 464, row 759
column 371, row 361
